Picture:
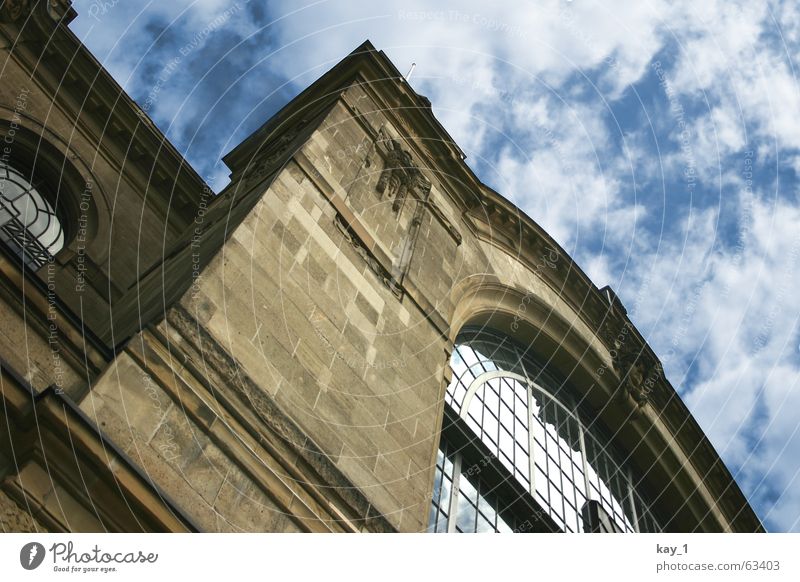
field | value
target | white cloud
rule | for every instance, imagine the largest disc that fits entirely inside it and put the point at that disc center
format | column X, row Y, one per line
column 733, row 317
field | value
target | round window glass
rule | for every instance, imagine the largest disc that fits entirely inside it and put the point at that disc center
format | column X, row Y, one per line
column 28, row 223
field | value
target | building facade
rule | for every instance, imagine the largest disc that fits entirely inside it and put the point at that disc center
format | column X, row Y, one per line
column 355, row 335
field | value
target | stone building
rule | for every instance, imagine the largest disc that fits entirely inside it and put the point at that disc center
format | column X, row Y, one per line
column 355, row 335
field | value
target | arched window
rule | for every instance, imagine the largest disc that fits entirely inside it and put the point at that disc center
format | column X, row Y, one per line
column 29, row 225
column 531, row 428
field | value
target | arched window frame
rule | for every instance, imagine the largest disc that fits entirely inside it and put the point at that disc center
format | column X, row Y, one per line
column 29, row 224
column 65, row 182
column 625, row 510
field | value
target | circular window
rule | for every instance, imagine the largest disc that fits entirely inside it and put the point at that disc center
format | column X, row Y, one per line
column 29, row 225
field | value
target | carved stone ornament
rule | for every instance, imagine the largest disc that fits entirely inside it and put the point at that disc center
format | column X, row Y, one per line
column 275, row 151
column 400, row 175
column 375, row 266
column 639, row 373
column 56, row 10
column 12, row 9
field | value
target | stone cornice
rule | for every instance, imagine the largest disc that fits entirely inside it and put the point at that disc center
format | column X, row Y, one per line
column 119, row 495
column 106, row 113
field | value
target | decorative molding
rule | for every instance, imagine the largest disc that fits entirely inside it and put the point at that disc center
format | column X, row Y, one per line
column 273, row 474
column 639, row 372
column 274, row 420
column 120, row 496
column 56, row 10
column 11, row 10
column 366, row 246
column 374, row 264
column 61, row 9
column 443, row 220
column 267, row 158
column 377, row 136
column 400, row 175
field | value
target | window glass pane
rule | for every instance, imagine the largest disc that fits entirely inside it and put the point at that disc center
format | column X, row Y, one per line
column 441, row 523
column 507, row 462
column 521, row 458
column 467, row 514
column 538, row 431
column 448, row 467
column 444, row 500
column 502, row 526
column 486, row 508
column 468, row 491
column 484, row 526
column 437, row 486
column 521, row 432
column 490, row 426
column 506, row 417
column 467, row 356
column 491, row 399
column 507, row 393
column 432, row 519
column 506, row 443
column 28, row 223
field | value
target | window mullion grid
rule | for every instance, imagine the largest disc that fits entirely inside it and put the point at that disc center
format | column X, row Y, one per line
column 547, row 455
column 556, row 458
column 569, row 468
column 531, row 439
column 585, row 463
column 454, row 493
column 632, row 501
column 436, row 500
column 443, row 478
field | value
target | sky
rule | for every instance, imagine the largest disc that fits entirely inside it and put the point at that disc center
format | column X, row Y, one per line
column 657, row 142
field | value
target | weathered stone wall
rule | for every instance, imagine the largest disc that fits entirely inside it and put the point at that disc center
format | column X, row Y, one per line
column 15, row 519
column 359, row 372
column 25, row 349
column 153, row 411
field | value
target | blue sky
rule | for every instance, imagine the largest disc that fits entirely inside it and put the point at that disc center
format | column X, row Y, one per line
column 658, row 142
